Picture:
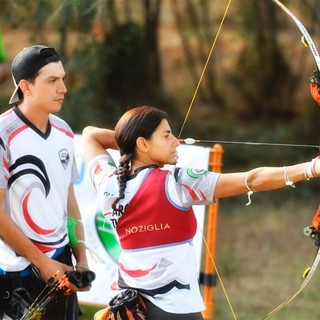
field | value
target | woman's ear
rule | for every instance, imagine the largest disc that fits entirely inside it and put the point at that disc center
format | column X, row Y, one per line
column 142, row 144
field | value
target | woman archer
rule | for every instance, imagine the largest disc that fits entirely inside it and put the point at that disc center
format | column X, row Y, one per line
column 151, row 209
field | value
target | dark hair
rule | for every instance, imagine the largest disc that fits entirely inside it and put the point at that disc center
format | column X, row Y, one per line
column 137, row 122
column 31, row 80
column 27, row 63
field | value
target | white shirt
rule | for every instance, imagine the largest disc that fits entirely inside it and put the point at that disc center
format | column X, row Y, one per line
column 172, row 268
column 36, row 170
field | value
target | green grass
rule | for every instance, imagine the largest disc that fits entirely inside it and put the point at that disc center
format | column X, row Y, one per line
column 261, row 255
column 88, row 311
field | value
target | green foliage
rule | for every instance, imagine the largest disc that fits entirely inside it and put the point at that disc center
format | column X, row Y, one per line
column 108, row 77
column 263, row 61
column 254, row 89
column 123, row 65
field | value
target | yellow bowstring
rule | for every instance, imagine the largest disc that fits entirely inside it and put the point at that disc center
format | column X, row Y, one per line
column 218, row 274
column 182, row 127
column 204, row 68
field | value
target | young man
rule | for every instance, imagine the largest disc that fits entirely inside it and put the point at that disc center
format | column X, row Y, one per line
column 37, row 171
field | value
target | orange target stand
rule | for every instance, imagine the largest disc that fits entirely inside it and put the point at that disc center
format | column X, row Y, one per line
column 208, row 277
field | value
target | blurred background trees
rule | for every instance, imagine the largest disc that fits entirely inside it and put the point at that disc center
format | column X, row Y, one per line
column 121, row 53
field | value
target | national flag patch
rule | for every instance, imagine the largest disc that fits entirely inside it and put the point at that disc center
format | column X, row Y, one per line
column 196, row 173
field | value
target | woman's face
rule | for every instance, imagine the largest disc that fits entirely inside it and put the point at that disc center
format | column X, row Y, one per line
column 162, row 146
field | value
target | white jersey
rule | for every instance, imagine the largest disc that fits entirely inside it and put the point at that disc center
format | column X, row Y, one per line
column 36, row 170
column 165, row 273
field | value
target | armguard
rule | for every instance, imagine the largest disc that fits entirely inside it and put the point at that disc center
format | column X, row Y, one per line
column 72, row 225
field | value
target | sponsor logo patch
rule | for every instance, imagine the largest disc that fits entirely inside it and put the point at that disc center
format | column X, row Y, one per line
column 64, row 157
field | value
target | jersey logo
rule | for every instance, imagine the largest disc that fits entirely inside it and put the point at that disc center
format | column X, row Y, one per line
column 196, row 173
column 64, row 157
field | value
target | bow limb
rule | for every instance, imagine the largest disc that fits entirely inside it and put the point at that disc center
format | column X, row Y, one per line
column 304, row 32
column 314, row 232
column 308, row 42
column 308, row 275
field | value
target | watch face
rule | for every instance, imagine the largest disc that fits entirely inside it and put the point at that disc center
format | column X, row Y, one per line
column 107, row 237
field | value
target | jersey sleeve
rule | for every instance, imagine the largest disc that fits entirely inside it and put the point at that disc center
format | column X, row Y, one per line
column 103, row 174
column 195, row 186
column 75, row 172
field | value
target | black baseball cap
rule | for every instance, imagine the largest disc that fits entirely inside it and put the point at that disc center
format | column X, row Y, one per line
column 27, row 63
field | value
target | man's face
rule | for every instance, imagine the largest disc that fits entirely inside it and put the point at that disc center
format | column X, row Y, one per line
column 48, row 89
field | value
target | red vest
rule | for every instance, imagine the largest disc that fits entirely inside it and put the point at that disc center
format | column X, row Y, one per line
column 150, row 219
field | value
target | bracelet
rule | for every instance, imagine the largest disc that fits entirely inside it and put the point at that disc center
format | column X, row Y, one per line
column 83, row 242
column 314, row 166
column 306, row 171
column 79, row 265
column 310, row 169
column 250, row 191
column 287, row 181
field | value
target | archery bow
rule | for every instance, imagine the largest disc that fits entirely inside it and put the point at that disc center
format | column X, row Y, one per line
column 314, row 229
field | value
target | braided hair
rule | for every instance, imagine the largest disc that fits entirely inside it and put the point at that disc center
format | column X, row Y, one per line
column 137, row 122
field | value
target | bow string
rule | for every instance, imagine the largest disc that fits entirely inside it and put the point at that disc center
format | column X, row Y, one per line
column 204, row 68
column 179, row 135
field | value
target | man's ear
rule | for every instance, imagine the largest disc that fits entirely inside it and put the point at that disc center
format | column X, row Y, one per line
column 24, row 86
column 142, row 144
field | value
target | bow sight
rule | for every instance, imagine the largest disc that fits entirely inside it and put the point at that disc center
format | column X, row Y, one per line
column 315, row 79
column 314, row 86
column 313, row 231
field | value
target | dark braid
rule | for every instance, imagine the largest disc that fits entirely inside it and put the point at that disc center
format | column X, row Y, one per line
column 135, row 123
column 123, row 169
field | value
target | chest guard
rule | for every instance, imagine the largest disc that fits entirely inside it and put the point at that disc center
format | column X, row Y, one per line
column 150, row 219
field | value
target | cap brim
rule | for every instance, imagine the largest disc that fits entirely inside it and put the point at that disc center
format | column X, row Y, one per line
column 15, row 96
